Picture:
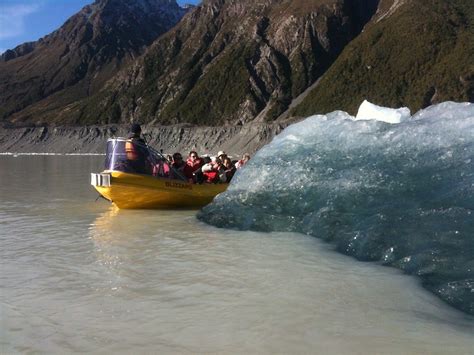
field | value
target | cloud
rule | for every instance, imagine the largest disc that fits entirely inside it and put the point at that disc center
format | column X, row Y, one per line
column 12, row 19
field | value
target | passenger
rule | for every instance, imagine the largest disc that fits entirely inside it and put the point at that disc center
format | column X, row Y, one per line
column 199, row 175
column 221, row 155
column 229, row 169
column 206, row 161
column 161, row 169
column 193, row 165
column 210, row 171
column 220, row 167
column 178, row 162
column 243, row 161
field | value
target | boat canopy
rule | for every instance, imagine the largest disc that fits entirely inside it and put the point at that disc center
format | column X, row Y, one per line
column 134, row 156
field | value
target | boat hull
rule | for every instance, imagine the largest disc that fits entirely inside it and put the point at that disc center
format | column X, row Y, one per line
column 135, row 191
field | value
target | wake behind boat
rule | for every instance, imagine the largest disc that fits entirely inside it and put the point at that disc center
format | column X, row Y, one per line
column 137, row 176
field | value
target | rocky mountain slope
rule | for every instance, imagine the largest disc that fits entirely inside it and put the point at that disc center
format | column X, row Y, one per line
column 231, row 61
column 39, row 78
column 413, row 53
column 237, row 62
column 227, row 61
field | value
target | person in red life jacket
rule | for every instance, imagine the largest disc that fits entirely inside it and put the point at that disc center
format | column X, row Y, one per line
column 210, row 171
column 193, row 165
column 229, row 169
column 243, row 161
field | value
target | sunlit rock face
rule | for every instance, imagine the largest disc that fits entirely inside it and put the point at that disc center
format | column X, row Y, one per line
column 401, row 194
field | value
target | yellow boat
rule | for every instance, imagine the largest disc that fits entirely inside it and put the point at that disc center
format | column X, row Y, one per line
column 137, row 176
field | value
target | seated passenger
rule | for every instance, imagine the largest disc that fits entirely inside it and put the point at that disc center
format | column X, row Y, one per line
column 210, row 171
column 177, row 166
column 199, row 177
column 193, row 165
column 217, row 171
column 161, row 169
column 243, row 161
column 221, row 155
column 229, row 169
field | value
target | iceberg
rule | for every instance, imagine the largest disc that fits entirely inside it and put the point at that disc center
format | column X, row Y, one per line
column 369, row 111
column 401, row 193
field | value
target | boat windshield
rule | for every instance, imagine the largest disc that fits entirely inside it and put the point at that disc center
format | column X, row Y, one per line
column 133, row 156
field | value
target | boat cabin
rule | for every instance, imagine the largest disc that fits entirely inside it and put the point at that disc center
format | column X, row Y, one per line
column 134, row 156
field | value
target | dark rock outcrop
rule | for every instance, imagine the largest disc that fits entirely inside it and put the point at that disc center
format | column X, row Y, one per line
column 18, row 51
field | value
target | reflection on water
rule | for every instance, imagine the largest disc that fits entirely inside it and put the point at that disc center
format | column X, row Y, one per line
column 102, row 232
column 83, row 276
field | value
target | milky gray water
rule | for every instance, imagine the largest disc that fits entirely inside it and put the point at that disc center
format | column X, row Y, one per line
column 77, row 275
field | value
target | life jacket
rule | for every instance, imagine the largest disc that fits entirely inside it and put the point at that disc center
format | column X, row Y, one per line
column 161, row 169
column 211, row 176
column 196, row 164
column 191, row 167
column 131, row 150
column 240, row 164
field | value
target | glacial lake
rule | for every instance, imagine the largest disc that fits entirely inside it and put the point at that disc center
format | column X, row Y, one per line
column 78, row 275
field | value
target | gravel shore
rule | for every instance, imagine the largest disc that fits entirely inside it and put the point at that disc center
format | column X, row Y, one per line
column 235, row 140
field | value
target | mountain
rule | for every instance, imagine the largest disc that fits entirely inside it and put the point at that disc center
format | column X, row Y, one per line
column 39, row 78
column 413, row 53
column 232, row 61
column 226, row 61
column 239, row 61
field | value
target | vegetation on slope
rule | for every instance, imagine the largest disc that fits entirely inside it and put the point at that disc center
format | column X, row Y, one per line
column 420, row 55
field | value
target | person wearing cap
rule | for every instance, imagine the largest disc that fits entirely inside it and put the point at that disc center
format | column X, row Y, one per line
column 221, row 155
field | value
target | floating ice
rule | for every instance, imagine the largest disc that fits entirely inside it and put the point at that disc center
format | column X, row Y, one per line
column 401, row 194
column 368, row 111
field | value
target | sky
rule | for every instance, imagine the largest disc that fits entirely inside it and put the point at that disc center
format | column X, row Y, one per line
column 28, row 20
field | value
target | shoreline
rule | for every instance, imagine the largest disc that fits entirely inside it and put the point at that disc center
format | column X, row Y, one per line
column 17, row 154
column 91, row 140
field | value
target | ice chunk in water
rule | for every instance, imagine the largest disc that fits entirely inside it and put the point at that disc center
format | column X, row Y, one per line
column 402, row 194
column 369, row 111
